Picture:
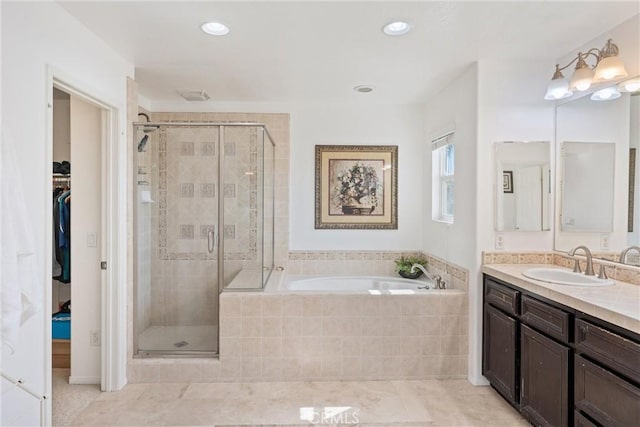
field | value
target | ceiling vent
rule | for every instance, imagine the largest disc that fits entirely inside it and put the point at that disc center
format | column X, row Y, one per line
column 194, row 95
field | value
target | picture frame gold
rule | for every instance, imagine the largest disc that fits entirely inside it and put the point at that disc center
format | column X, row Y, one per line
column 356, row 187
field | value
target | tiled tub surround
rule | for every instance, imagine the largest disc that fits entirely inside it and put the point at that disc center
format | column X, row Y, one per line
column 292, row 337
column 370, row 263
column 616, row 271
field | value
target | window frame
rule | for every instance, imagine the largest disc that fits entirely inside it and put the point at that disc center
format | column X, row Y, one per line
column 443, row 174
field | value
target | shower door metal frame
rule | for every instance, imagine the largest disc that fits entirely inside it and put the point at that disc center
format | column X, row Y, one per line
column 136, row 352
column 220, row 221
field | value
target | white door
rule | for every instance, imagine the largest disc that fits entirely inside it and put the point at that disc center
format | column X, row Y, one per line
column 86, row 133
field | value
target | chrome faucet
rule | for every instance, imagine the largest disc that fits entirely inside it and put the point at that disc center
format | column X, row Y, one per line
column 624, row 253
column 440, row 284
column 589, row 269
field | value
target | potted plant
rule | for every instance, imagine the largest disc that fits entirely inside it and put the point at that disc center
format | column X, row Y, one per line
column 404, row 264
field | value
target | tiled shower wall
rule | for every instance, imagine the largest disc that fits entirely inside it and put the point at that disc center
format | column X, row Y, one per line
column 184, row 184
column 144, row 269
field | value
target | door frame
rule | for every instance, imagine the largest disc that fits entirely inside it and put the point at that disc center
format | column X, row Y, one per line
column 113, row 228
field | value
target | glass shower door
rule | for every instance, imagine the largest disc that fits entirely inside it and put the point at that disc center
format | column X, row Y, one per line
column 248, row 227
column 177, row 221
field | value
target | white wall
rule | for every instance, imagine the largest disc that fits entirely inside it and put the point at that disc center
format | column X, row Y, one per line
column 510, row 108
column 35, row 35
column 455, row 109
column 349, row 124
column 356, row 125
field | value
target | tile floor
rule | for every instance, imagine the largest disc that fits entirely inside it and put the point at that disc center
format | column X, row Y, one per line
column 351, row 403
column 181, row 338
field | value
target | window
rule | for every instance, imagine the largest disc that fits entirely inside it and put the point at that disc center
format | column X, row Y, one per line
column 443, row 184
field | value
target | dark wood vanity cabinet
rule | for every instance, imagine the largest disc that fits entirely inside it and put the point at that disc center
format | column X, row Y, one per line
column 544, row 379
column 499, row 352
column 607, row 375
column 557, row 366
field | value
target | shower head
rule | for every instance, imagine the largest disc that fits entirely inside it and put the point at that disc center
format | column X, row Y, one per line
column 149, row 129
column 142, row 143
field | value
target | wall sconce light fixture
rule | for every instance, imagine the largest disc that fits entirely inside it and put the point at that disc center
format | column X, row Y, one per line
column 607, row 66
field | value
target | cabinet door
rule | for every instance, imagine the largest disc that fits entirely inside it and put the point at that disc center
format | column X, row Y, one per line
column 604, row 396
column 544, row 371
column 500, row 352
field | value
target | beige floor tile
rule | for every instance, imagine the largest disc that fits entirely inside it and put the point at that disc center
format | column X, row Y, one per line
column 163, row 391
column 374, row 403
column 129, row 392
column 104, row 413
column 69, row 400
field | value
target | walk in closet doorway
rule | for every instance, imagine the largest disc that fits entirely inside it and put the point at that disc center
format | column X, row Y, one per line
column 77, row 239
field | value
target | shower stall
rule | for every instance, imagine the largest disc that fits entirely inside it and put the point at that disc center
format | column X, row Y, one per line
column 204, row 222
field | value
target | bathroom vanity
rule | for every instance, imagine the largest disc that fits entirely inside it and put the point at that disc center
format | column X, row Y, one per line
column 559, row 355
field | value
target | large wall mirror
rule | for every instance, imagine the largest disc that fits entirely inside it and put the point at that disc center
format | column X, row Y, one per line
column 597, row 190
column 523, row 190
column 587, row 186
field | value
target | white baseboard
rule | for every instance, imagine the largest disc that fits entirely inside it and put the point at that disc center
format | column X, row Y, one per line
column 84, row 380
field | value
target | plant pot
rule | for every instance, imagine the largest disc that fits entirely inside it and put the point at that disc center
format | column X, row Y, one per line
column 410, row 275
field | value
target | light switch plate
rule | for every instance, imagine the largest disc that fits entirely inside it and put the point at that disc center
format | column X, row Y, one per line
column 92, row 239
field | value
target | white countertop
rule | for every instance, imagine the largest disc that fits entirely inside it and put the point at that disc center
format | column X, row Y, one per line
column 618, row 304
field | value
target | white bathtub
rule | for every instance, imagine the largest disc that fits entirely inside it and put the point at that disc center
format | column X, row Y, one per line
column 374, row 285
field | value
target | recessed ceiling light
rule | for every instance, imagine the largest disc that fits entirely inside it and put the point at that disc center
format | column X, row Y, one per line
column 363, row 89
column 215, row 28
column 396, row 28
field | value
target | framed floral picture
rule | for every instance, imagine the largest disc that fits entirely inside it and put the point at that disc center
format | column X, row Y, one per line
column 356, row 187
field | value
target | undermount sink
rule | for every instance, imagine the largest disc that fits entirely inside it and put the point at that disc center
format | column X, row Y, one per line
column 564, row 277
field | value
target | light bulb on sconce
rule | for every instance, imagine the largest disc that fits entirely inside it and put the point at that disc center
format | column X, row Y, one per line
column 606, row 94
column 607, row 66
column 558, row 87
column 630, row 85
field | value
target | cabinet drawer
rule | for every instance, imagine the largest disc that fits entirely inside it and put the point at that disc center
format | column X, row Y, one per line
column 500, row 296
column 604, row 396
column 545, row 318
column 612, row 350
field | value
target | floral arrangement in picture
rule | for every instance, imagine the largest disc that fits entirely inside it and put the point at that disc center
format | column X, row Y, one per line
column 356, row 189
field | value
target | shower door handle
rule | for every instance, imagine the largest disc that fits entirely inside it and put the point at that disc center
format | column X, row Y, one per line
column 211, row 242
